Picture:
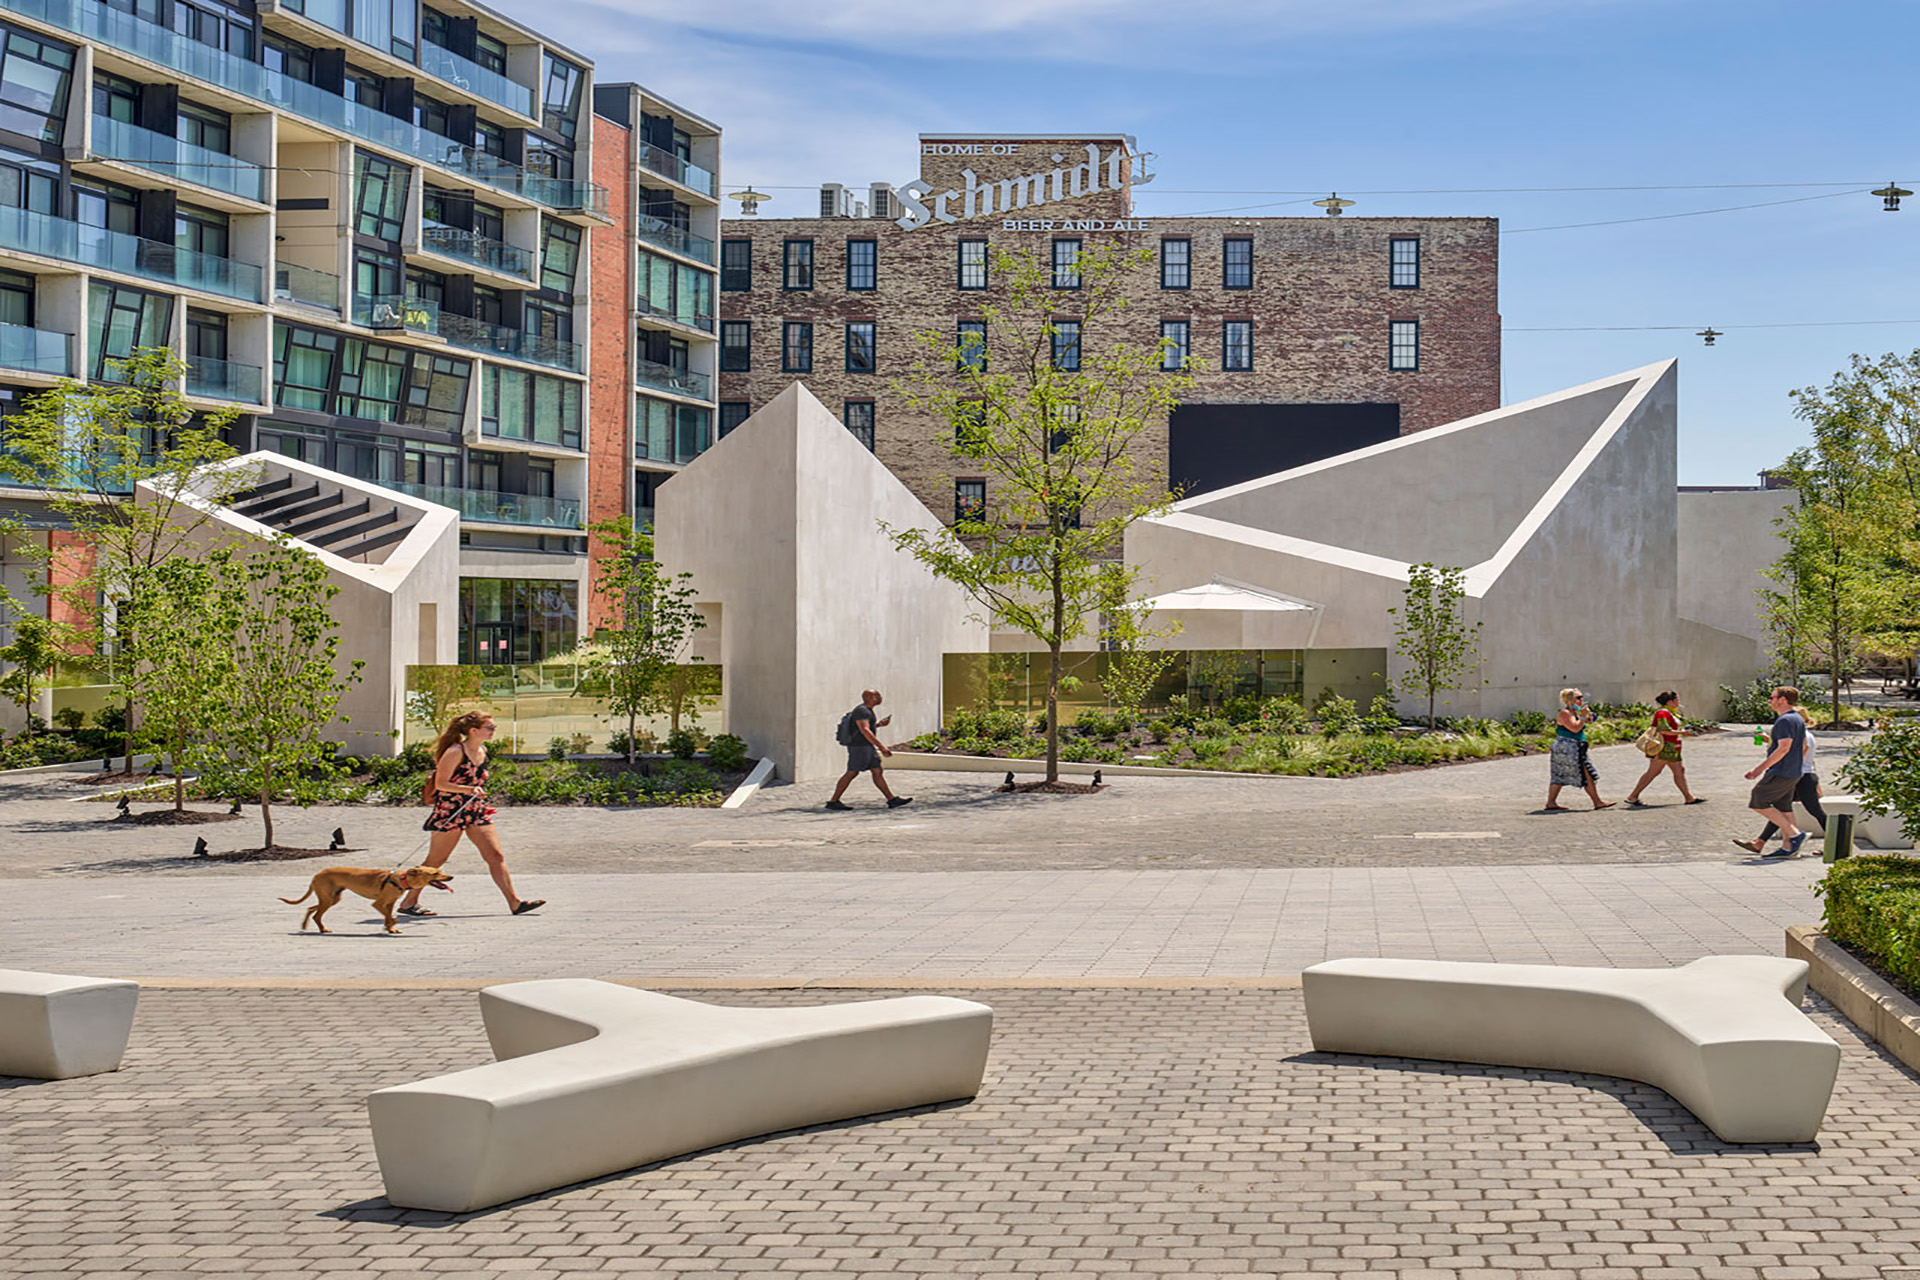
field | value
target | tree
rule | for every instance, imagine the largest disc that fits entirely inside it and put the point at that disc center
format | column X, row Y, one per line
column 1135, row 658
column 1432, row 633
column 1053, row 414
column 83, row 447
column 433, row 692
column 33, row 652
column 184, row 661
column 273, row 605
column 652, row 619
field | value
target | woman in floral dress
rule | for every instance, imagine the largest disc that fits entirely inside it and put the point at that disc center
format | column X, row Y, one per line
column 460, row 805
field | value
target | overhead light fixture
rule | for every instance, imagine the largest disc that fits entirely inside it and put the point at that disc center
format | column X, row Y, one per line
column 749, row 202
column 1709, row 333
column 1890, row 196
column 1334, row 205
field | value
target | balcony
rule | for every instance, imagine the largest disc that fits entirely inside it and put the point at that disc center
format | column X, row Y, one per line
column 295, row 283
column 474, row 78
column 392, row 312
column 24, row 231
column 36, row 350
column 679, row 315
column 482, row 251
column 176, row 160
column 664, row 235
column 497, row 339
column 668, row 165
column 679, row 382
column 92, row 21
column 482, row 507
column 224, row 380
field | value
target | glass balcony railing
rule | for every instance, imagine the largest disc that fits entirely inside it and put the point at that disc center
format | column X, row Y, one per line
column 392, row 312
column 497, row 339
column 471, row 246
column 661, row 233
column 662, row 377
column 36, row 350
column 25, row 231
column 668, row 165
column 223, row 380
column 94, row 21
column 295, row 283
column 682, row 315
column 173, row 159
column 474, row 78
column 497, row 508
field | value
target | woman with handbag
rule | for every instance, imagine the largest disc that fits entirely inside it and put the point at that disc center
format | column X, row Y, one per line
column 1567, row 762
column 1661, row 743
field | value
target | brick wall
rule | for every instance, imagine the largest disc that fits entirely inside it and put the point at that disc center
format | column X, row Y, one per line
column 610, row 295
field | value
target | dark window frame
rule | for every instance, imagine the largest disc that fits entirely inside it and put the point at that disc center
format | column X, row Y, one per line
column 792, row 264
column 1167, row 264
column 1180, row 355
column 1227, row 264
column 872, row 265
column 732, row 413
column 962, row 267
column 744, row 362
column 873, row 346
column 1227, row 348
column 850, row 410
column 1064, row 351
column 789, row 331
column 1395, row 346
column 1066, row 267
column 1403, row 273
column 962, row 332
column 736, row 277
column 969, row 500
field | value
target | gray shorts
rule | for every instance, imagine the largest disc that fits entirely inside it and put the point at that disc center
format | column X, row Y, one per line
column 862, row 756
column 1773, row 793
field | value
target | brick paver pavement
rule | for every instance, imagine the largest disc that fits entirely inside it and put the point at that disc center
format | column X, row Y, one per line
column 1120, row 1133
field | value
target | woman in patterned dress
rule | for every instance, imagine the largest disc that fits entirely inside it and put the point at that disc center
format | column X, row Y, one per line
column 1567, row 762
column 1666, row 722
column 460, row 804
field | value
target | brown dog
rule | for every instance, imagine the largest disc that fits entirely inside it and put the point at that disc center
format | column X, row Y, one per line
column 384, row 887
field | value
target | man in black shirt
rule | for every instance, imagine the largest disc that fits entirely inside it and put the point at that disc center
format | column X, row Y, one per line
column 864, row 751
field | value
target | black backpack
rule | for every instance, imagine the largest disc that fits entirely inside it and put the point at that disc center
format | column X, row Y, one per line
column 844, row 734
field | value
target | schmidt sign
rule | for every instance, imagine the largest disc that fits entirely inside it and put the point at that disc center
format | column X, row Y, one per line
column 1002, row 196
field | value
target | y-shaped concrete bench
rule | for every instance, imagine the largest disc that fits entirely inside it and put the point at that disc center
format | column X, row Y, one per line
column 54, row 1026
column 1723, row 1035
column 594, row 1078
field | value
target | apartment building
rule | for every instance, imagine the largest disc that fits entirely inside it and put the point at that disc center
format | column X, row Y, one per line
column 1308, row 336
column 365, row 225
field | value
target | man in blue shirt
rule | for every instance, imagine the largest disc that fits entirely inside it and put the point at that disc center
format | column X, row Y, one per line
column 1772, row 796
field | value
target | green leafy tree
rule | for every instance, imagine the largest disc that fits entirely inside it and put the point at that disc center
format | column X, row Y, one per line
column 274, row 605
column 1885, row 773
column 433, row 693
column 1432, row 634
column 184, row 661
column 652, row 619
column 83, row 448
column 1136, row 658
column 1052, row 411
column 32, row 653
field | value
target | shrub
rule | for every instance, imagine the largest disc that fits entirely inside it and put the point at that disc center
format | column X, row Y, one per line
column 1179, row 713
column 1873, row 904
column 1380, row 717
column 925, row 742
column 681, row 744
column 1000, row 725
column 1337, row 715
column 581, row 742
column 1528, row 722
column 70, row 718
column 1242, row 708
column 962, row 723
column 557, row 748
column 728, row 752
column 1885, row 773
column 1282, row 715
column 1160, row 730
column 1749, row 704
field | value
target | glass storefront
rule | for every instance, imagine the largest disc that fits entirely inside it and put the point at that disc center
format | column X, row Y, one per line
column 517, row 620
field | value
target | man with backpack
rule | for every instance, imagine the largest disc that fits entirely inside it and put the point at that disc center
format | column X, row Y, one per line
column 864, row 750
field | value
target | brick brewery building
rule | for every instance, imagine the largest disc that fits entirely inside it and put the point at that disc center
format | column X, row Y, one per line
column 1311, row 336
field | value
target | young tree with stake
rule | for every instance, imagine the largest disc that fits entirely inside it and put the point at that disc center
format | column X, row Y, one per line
column 1432, row 634
column 652, row 619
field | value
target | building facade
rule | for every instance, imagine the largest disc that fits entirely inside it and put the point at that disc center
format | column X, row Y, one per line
column 1308, row 336
column 365, row 226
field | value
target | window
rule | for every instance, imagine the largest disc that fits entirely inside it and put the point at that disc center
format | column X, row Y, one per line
column 858, row 415
column 1403, row 345
column 27, row 183
column 427, row 286
column 373, row 378
column 860, row 353
column 973, row 264
column 736, row 266
column 676, row 290
column 434, row 464
column 200, row 230
column 431, row 114
column 376, row 274
column 124, row 319
column 490, row 221
column 1403, row 262
column 490, row 52
column 1236, row 346
column 34, row 74
column 970, row 345
column 206, row 335
column 1066, row 264
column 969, row 500
column 205, row 127
column 733, row 413
column 546, row 159
column 796, row 264
column 863, row 265
column 796, row 347
column 517, row 405
column 559, row 256
column 220, row 25
column 1236, row 263
column 115, row 98
column 1176, row 264
column 490, row 138
column 1066, row 344
column 1174, row 347
column 289, row 58
column 561, row 99
column 489, row 305
column 437, row 392
column 303, row 362
column 540, row 477
column 736, row 346
column 380, row 199
column 665, row 432
column 550, row 320
column 106, row 205
column 16, row 298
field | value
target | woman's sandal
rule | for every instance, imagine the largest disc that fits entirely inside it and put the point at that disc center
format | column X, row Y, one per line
column 418, row 911
column 529, row 904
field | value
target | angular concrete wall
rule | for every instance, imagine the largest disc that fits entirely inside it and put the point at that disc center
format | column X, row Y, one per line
column 1728, row 541
column 779, row 523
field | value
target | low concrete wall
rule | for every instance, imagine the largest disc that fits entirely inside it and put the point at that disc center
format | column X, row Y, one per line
column 1867, row 1000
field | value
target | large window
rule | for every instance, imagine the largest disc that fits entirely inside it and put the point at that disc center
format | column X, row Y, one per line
column 376, row 274
column 34, row 75
column 970, row 345
column 124, row 319
column 517, row 405
column 200, row 230
column 736, row 266
column 115, row 98
column 517, row 620
column 1066, row 264
column 27, row 182
column 796, row 264
column 303, row 365
column 1236, row 346
column 1066, row 344
column 858, row 415
column 16, row 298
column 796, row 347
column 1176, row 264
column 106, row 205
column 676, row 290
column 380, row 196
column 205, row 127
column 973, row 265
column 1403, row 345
column 560, row 101
column 863, row 265
column 860, row 349
column 1403, row 262
column 1175, row 345
column 356, row 378
column 1236, row 263
column 668, row 432
column 559, row 256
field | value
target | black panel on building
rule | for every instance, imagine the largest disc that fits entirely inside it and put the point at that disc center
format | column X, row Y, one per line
column 1212, row 446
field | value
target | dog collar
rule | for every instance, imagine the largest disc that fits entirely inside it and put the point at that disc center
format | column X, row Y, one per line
column 391, row 879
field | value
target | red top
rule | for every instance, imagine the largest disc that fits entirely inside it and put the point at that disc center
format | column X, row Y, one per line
column 1670, row 731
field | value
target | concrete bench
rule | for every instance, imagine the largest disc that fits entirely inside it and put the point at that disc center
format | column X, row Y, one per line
column 1882, row 832
column 54, row 1026
column 594, row 1078
column 1723, row 1035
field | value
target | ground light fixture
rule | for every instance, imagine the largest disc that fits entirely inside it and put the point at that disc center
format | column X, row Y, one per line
column 749, row 202
column 1709, row 333
column 1890, row 196
column 1334, row 205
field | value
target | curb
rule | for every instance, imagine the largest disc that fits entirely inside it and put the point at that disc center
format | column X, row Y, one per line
column 1881, row 1010
column 667, row 982
column 941, row 762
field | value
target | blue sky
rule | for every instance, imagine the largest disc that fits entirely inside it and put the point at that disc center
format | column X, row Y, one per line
column 1401, row 96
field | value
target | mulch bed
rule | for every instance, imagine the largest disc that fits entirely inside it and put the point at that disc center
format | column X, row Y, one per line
column 174, row 818
column 277, row 853
column 120, row 775
column 1054, row 788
